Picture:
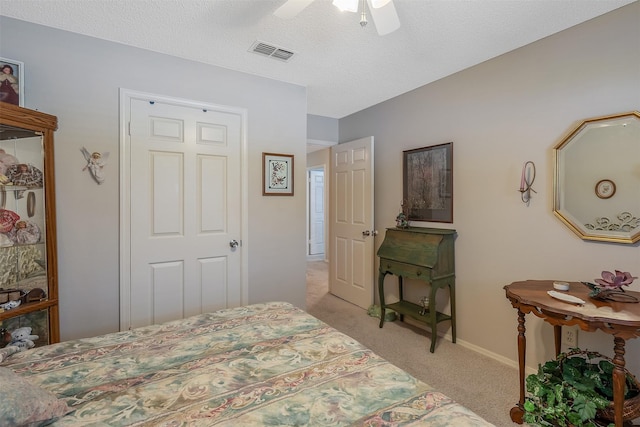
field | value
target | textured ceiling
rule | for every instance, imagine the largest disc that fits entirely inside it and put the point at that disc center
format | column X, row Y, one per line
column 345, row 68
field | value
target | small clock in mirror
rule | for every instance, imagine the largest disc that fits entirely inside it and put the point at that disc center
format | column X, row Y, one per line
column 605, row 188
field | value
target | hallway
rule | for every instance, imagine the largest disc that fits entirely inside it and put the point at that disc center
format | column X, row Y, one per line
column 317, row 282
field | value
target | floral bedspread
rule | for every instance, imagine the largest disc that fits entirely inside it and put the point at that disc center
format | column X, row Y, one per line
column 260, row 365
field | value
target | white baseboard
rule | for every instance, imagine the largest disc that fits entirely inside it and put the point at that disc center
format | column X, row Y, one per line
column 504, row 360
column 495, row 356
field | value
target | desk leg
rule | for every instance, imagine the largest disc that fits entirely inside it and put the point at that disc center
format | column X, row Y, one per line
column 400, row 294
column 452, row 301
column 517, row 412
column 381, row 292
column 433, row 324
column 618, row 380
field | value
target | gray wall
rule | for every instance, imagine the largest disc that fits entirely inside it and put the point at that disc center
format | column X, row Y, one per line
column 77, row 78
column 322, row 128
column 500, row 114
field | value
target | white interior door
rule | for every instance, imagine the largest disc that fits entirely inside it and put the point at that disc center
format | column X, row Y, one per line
column 316, row 211
column 351, row 222
column 185, row 208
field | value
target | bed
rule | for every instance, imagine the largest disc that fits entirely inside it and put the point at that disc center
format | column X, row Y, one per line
column 266, row 364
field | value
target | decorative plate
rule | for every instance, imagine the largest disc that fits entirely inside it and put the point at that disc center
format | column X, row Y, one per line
column 565, row 297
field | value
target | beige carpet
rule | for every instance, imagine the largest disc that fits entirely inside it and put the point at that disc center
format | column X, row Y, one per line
column 484, row 385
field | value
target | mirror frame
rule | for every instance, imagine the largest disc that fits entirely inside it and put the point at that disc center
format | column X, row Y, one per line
column 601, row 190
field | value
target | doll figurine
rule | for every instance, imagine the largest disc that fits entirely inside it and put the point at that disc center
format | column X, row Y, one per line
column 95, row 163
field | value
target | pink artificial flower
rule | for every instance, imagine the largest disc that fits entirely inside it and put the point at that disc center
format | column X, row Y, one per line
column 615, row 281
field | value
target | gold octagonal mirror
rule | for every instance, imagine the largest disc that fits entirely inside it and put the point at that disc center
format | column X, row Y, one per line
column 597, row 178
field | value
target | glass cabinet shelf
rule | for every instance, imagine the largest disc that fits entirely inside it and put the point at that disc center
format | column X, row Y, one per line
column 5, row 187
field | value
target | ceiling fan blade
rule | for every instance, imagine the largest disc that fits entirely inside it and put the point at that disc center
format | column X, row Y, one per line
column 385, row 18
column 291, row 8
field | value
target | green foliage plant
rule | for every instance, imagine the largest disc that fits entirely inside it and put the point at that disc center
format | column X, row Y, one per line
column 569, row 390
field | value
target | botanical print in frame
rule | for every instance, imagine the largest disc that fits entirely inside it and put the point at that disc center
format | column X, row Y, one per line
column 12, row 81
column 428, row 183
column 277, row 174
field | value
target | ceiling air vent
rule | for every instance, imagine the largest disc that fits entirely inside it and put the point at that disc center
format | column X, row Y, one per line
column 271, row 51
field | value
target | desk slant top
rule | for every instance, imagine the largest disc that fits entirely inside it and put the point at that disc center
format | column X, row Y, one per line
column 425, row 247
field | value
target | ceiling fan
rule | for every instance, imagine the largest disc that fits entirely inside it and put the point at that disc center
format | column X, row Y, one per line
column 383, row 12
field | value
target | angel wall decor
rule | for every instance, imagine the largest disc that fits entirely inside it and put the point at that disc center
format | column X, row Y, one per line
column 95, row 163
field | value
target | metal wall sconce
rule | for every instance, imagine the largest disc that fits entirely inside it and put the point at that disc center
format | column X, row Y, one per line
column 526, row 181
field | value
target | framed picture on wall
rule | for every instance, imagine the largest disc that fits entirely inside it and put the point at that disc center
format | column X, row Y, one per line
column 12, row 81
column 277, row 174
column 428, row 183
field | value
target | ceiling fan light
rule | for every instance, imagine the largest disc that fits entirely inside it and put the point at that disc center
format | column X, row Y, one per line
column 379, row 3
column 346, row 5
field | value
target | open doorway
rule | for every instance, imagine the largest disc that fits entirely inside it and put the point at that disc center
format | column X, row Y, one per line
column 317, row 249
column 349, row 252
column 316, row 213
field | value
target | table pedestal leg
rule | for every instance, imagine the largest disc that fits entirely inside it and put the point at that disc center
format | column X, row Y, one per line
column 557, row 338
column 619, row 377
column 517, row 412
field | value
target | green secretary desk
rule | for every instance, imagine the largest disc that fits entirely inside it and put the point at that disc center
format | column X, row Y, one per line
column 425, row 254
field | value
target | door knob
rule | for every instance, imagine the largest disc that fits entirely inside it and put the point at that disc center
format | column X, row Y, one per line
column 233, row 244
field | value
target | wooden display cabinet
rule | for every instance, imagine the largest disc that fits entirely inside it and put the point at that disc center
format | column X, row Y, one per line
column 28, row 262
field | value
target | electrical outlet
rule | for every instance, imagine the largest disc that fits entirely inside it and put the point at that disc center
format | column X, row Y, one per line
column 569, row 337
